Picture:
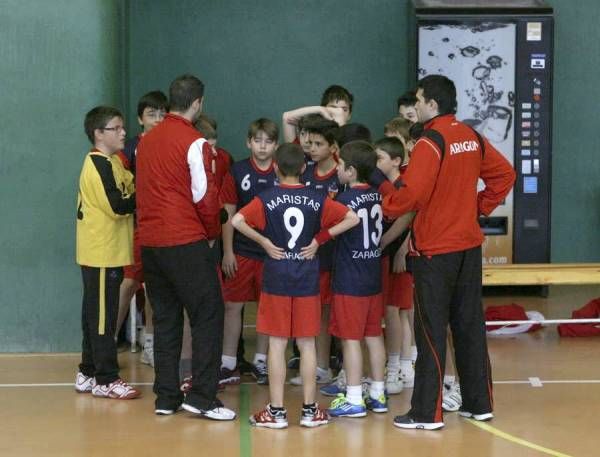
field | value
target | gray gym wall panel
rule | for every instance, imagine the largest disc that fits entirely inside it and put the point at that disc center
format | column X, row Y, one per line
column 58, row 59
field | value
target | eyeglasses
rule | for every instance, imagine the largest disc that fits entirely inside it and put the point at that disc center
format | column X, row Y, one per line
column 116, row 128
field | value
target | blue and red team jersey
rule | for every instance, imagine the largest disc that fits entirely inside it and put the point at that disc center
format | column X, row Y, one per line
column 357, row 269
column 244, row 182
column 328, row 185
column 290, row 216
column 129, row 152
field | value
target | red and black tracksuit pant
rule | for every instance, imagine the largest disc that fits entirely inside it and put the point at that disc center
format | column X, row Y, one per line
column 448, row 290
column 177, row 278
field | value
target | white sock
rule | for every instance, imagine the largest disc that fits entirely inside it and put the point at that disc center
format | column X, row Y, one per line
column 377, row 389
column 262, row 358
column 228, row 362
column 354, row 394
column 413, row 352
column 406, row 365
column 393, row 360
column 449, row 379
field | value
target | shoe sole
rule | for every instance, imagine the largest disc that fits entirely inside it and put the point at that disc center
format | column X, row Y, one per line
column 313, row 424
column 206, row 414
column 166, row 412
column 275, row 426
column 327, row 394
column 379, row 410
column 233, row 381
column 394, row 391
column 132, row 397
column 478, row 417
column 354, row 415
column 421, row 426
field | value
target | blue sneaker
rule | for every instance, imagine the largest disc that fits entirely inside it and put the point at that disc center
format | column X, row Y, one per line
column 337, row 387
column 341, row 407
column 377, row 405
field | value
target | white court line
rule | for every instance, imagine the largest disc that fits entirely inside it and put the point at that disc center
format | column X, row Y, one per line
column 530, row 381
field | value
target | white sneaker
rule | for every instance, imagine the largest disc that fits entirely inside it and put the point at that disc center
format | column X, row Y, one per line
column 393, row 383
column 218, row 412
column 147, row 356
column 322, row 378
column 478, row 417
column 84, row 384
column 408, row 378
column 451, row 398
column 117, row 390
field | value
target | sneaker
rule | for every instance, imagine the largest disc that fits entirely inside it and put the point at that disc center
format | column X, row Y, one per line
column 267, row 418
column 393, row 383
column 167, row 412
column 84, row 384
column 294, row 363
column 116, row 390
column 451, row 397
column 377, row 405
column 229, row 377
column 245, row 367
column 409, row 423
column 478, row 417
column 341, row 407
column 216, row 412
column 337, row 387
column 313, row 417
column 147, row 356
column 408, row 378
column 326, row 378
column 261, row 373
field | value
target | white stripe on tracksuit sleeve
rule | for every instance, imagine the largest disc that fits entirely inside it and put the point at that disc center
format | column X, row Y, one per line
column 196, row 164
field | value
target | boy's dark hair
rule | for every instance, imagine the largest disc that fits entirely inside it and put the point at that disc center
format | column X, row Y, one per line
column 155, row 99
column 392, row 147
column 324, row 127
column 408, row 98
column 335, row 93
column 352, row 132
column 183, row 91
column 97, row 118
column 440, row 89
column 207, row 126
column 399, row 126
column 266, row 125
column 289, row 158
column 360, row 155
column 308, row 119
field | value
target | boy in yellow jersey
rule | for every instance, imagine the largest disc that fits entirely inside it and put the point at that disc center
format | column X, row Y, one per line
column 105, row 206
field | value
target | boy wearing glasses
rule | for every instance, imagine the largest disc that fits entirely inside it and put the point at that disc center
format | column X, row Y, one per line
column 105, row 205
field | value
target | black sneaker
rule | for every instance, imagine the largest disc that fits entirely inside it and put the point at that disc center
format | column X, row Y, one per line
column 408, row 422
column 261, row 373
column 294, row 363
column 245, row 367
column 228, row 377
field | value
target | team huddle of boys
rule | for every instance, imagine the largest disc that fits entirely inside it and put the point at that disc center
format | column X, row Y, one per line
column 301, row 227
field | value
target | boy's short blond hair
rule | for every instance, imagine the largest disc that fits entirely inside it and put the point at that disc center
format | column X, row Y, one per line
column 398, row 126
column 207, row 126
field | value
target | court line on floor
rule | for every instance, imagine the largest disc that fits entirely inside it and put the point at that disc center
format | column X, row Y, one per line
column 516, row 440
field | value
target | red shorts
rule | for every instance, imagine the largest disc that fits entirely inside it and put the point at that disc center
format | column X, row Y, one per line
column 353, row 318
column 246, row 284
column 325, row 287
column 135, row 271
column 288, row 317
column 397, row 287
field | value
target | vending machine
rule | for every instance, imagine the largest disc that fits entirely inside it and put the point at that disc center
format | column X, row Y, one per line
column 500, row 56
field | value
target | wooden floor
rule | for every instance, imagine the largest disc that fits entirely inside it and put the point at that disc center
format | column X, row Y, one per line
column 41, row 415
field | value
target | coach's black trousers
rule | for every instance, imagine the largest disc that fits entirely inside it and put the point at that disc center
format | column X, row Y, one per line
column 99, row 321
column 178, row 278
column 448, row 290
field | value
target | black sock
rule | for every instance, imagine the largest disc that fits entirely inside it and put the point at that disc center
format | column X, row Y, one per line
column 311, row 406
column 275, row 409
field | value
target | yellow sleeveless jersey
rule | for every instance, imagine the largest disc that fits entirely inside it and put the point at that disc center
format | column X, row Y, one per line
column 105, row 206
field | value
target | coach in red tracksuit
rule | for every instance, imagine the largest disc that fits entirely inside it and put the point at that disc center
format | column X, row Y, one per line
column 440, row 184
column 178, row 221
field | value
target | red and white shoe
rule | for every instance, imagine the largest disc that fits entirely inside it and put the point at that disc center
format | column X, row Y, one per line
column 313, row 417
column 267, row 418
column 84, row 384
column 116, row 390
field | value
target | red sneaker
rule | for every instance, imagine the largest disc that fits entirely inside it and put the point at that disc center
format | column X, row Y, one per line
column 268, row 418
column 116, row 390
column 313, row 417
